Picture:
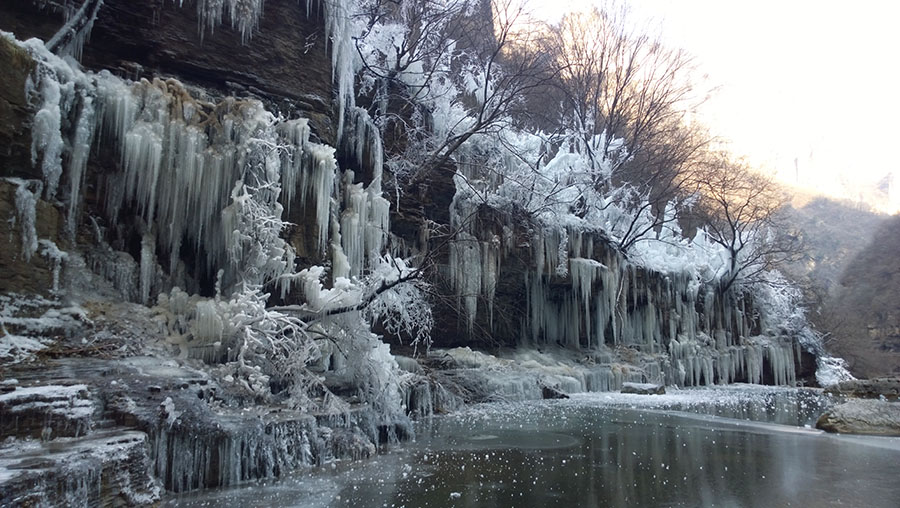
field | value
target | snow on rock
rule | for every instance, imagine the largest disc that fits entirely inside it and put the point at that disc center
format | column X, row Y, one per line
column 31, row 323
column 101, row 470
column 832, row 370
column 643, row 388
column 788, row 406
column 522, row 373
column 19, row 348
column 46, row 411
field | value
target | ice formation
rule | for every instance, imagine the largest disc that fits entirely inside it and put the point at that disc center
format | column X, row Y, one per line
column 242, row 14
column 26, row 211
column 584, row 294
column 210, row 181
column 364, row 222
column 70, row 39
column 181, row 158
column 55, row 258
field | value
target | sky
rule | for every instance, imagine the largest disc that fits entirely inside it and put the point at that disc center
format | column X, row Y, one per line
column 808, row 90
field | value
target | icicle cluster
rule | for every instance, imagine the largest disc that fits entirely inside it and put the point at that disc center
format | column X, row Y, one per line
column 364, row 225
column 244, row 15
column 180, row 158
column 474, row 263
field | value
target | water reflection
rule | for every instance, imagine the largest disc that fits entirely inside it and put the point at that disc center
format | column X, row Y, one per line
column 576, row 453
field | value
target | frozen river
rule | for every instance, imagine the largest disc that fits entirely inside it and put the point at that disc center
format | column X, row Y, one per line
column 743, row 446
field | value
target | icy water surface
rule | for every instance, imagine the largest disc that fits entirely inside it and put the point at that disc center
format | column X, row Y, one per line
column 683, row 449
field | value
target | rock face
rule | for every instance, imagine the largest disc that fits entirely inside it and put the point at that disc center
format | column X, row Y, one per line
column 860, row 416
column 19, row 274
column 46, row 411
column 285, row 60
column 104, row 469
column 15, row 137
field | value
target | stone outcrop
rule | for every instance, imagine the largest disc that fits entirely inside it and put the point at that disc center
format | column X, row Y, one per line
column 104, row 469
column 15, row 135
column 46, row 411
column 18, row 274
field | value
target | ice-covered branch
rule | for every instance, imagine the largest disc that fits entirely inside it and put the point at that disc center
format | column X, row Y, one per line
column 71, row 37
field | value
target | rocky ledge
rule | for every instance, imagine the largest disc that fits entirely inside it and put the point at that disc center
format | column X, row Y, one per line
column 888, row 388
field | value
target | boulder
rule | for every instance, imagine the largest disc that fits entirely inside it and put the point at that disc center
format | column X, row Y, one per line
column 643, row 388
column 551, row 392
column 862, row 416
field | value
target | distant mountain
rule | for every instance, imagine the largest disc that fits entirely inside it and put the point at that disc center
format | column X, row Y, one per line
column 866, row 308
column 833, row 232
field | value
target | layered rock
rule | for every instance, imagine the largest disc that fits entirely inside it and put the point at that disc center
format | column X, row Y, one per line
column 887, row 388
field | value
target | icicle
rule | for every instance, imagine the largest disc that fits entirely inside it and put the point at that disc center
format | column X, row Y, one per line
column 344, row 57
column 318, row 182
column 81, row 147
column 26, row 213
column 295, row 134
column 56, row 258
column 366, row 140
column 148, row 266
column 465, row 261
column 562, row 258
column 244, row 15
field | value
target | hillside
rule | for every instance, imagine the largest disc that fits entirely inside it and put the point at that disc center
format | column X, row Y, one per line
column 846, row 269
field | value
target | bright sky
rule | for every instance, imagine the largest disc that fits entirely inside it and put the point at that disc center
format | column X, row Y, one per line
column 815, row 81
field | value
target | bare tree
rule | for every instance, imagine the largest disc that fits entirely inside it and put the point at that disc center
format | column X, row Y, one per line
column 740, row 210
column 620, row 83
column 449, row 52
